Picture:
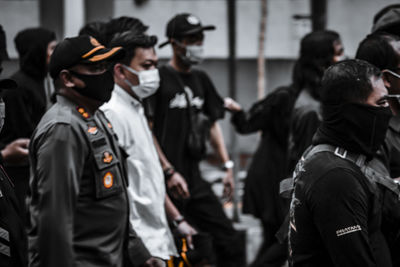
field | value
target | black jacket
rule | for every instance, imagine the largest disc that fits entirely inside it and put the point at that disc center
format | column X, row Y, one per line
column 13, row 243
column 335, row 214
column 26, row 105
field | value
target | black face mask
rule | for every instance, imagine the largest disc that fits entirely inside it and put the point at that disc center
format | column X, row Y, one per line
column 357, row 127
column 98, row 86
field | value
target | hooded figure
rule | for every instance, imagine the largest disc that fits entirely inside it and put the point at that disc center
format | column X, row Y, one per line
column 26, row 105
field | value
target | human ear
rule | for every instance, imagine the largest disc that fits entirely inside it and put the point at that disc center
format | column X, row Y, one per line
column 67, row 79
column 119, row 71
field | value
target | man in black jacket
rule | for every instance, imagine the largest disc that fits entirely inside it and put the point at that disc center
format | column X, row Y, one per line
column 335, row 216
column 13, row 243
column 26, row 105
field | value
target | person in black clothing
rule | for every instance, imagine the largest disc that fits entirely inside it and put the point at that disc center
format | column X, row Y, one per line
column 17, row 150
column 383, row 50
column 268, row 167
column 13, row 242
column 26, row 105
column 318, row 51
column 335, row 215
column 272, row 115
column 185, row 95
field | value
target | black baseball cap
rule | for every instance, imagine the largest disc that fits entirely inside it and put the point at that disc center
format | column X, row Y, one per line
column 83, row 49
column 182, row 25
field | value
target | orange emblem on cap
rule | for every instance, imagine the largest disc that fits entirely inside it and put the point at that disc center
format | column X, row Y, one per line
column 94, row 42
column 108, row 180
column 81, row 110
column 92, row 130
column 85, row 115
column 107, row 157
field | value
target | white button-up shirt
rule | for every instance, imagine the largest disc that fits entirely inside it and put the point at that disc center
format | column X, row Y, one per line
column 146, row 179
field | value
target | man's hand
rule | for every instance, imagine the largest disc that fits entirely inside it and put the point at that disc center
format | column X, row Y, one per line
column 154, row 262
column 177, row 186
column 188, row 231
column 229, row 185
column 16, row 152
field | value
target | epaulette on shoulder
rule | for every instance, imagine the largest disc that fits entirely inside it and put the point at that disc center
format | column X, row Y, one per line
column 64, row 116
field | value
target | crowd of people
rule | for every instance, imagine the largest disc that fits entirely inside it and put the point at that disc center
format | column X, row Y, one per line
column 100, row 150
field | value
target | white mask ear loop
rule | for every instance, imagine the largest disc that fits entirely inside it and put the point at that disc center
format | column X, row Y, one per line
column 130, row 70
column 392, row 73
column 133, row 72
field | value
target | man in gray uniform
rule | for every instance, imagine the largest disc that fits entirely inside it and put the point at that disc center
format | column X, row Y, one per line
column 78, row 201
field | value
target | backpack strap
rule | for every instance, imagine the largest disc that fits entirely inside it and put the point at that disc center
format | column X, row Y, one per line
column 286, row 186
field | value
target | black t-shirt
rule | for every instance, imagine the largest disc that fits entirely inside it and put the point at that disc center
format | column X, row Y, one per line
column 168, row 110
column 336, row 216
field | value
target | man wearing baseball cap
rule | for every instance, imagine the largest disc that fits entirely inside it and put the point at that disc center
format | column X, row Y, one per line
column 185, row 95
column 78, row 202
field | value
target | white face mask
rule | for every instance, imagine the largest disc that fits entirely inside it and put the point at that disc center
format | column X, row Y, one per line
column 149, row 81
column 194, row 54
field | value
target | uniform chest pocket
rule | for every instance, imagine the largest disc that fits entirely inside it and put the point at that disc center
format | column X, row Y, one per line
column 108, row 176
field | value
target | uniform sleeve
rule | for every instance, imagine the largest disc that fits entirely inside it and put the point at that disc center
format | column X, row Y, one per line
column 137, row 252
column 213, row 103
column 60, row 157
column 339, row 206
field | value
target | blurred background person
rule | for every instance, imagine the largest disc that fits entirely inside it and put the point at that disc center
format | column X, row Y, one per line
column 186, row 100
column 94, row 29
column 318, row 50
column 26, row 105
column 13, row 241
column 276, row 118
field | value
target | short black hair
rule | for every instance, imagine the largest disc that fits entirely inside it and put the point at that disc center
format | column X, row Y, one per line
column 377, row 50
column 94, row 29
column 123, row 24
column 348, row 81
column 130, row 41
column 316, row 54
column 383, row 11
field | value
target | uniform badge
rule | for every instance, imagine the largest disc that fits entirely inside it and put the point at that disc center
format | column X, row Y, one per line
column 83, row 112
column 92, row 130
column 108, row 180
column 107, row 157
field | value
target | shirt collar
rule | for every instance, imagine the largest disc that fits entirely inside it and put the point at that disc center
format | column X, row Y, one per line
column 126, row 97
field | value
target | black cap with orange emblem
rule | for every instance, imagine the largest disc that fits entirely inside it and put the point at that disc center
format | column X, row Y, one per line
column 80, row 50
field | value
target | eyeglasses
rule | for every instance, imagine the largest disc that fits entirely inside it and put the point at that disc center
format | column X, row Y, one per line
column 391, row 96
column 392, row 72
